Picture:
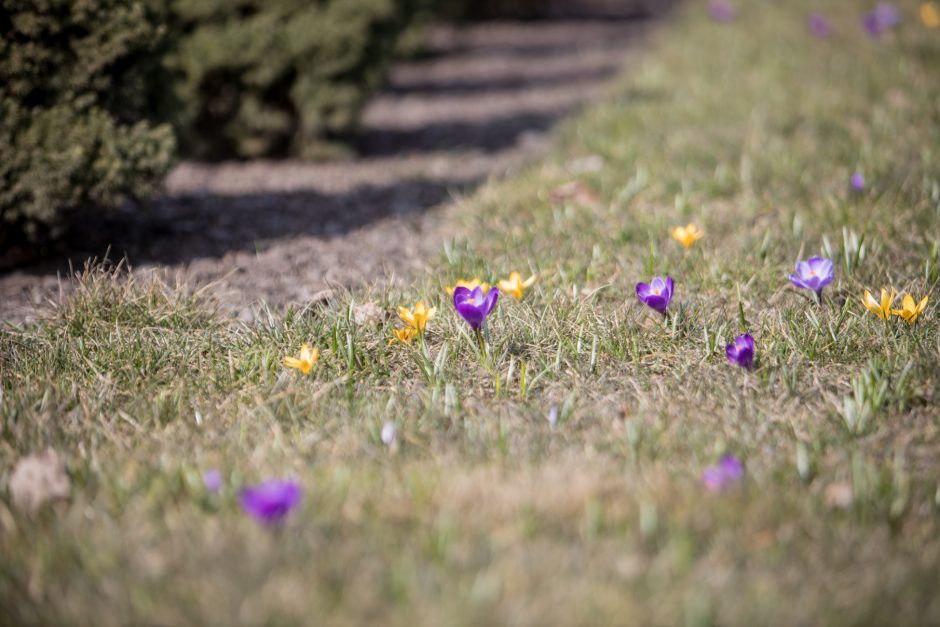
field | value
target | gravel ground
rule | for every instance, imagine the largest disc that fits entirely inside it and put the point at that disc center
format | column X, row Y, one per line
column 482, row 103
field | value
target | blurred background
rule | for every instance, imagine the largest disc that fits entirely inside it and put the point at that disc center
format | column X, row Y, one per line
column 102, row 98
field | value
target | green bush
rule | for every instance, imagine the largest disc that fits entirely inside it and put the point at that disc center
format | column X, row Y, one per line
column 275, row 77
column 76, row 87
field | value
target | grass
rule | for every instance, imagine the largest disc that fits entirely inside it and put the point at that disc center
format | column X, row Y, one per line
column 485, row 513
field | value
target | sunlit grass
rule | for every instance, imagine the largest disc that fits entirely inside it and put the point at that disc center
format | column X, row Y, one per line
column 557, row 479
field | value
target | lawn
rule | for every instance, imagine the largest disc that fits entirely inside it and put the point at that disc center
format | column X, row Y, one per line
column 485, row 511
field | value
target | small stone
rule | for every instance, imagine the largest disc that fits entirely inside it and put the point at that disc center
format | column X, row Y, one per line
column 839, row 495
column 37, row 479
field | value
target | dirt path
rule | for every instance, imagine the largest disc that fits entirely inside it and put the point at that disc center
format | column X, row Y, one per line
column 285, row 232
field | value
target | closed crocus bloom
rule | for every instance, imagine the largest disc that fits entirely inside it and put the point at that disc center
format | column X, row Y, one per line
column 471, row 284
column 657, row 294
column 515, row 286
column 687, row 235
column 305, row 362
column 881, row 309
column 741, row 351
column 418, row 317
column 909, row 309
column 930, row 15
column 404, row 335
column 212, row 480
column 474, row 306
column 857, row 181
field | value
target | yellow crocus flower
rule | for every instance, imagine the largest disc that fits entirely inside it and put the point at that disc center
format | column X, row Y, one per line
column 470, row 285
column 930, row 15
column 909, row 310
column 308, row 357
column 417, row 317
column 687, row 235
column 881, row 309
column 404, row 335
column 515, row 286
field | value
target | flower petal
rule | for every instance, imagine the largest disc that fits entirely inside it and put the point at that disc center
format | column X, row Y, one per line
column 471, row 313
column 491, row 297
column 659, row 303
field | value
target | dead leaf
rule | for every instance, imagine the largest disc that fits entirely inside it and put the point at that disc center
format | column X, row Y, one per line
column 367, row 313
column 576, row 192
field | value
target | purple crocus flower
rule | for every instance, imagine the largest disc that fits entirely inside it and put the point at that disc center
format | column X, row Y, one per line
column 474, row 306
column 726, row 473
column 212, row 480
column 721, row 11
column 813, row 274
column 819, row 25
column 880, row 19
column 656, row 294
column 271, row 501
column 857, row 181
column 741, row 351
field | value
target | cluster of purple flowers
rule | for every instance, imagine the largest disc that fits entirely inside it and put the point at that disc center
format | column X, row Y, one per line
column 882, row 18
column 813, row 274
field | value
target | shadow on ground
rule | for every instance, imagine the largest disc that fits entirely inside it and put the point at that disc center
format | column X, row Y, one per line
column 481, row 103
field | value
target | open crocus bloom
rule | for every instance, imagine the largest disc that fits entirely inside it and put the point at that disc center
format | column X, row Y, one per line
column 813, row 274
column 881, row 309
column 304, row 363
column 471, row 284
column 687, row 235
column 270, row 502
column 909, row 310
column 474, row 306
column 741, row 352
column 417, row 317
column 656, row 294
column 726, row 473
column 515, row 286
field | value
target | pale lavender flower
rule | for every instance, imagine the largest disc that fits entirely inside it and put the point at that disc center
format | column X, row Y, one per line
column 212, row 479
column 741, row 351
column 270, row 502
column 553, row 416
column 725, row 474
column 388, row 433
column 880, row 19
column 819, row 25
column 721, row 11
column 813, row 274
column 857, row 181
